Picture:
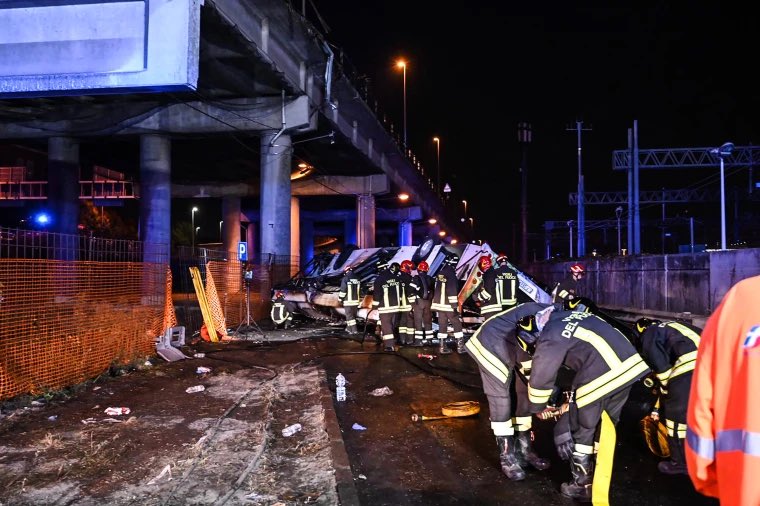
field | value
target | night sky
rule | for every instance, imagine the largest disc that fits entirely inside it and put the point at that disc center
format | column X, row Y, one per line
column 477, row 69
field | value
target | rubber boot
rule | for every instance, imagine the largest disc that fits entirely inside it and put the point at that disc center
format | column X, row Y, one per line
column 460, row 345
column 677, row 462
column 442, row 348
column 581, row 467
column 526, row 454
column 508, row 459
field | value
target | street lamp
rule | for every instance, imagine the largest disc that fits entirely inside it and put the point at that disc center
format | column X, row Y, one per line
column 192, row 224
column 472, row 225
column 437, row 141
column 402, row 65
column 220, row 230
column 618, row 213
column 465, row 208
column 723, row 152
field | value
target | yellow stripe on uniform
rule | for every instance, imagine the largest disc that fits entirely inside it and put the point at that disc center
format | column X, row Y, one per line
column 538, row 396
column 600, row 345
column 610, row 381
column 487, row 360
column 686, row 331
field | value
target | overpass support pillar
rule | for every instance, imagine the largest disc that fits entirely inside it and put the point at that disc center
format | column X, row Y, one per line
column 365, row 217
column 295, row 235
column 155, row 199
column 405, row 233
column 274, row 221
column 63, row 186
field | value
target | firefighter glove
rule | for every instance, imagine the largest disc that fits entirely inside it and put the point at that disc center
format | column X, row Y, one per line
column 563, row 438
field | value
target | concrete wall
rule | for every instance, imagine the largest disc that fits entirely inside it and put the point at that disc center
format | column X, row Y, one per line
column 686, row 283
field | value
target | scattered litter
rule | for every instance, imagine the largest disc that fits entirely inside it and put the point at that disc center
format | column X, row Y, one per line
column 112, row 420
column 95, row 388
column 53, row 418
column 381, row 392
column 203, row 370
column 243, row 405
column 196, row 388
column 362, row 477
column 89, row 420
column 148, row 363
column 117, row 411
column 199, row 355
column 291, row 429
column 425, row 355
column 356, row 426
column 38, row 403
column 166, row 470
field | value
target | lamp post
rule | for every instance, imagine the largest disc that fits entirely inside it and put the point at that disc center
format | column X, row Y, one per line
column 472, row 226
column 723, row 152
column 618, row 213
column 220, row 230
column 465, row 208
column 192, row 224
column 402, row 65
column 437, row 141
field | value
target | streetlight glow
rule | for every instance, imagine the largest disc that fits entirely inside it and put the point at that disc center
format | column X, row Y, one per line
column 432, row 221
column 402, row 65
column 192, row 224
column 403, row 196
column 442, row 233
column 465, row 208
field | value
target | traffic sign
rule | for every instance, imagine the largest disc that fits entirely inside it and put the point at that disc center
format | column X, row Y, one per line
column 243, row 251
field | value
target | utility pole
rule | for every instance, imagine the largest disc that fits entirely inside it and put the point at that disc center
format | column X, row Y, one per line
column 581, row 249
column 524, row 137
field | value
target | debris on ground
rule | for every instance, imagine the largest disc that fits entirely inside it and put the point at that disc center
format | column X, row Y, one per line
column 356, row 426
column 381, row 392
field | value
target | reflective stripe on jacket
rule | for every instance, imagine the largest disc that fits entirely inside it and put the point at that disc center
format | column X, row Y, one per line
column 446, row 296
column 603, row 359
column 723, row 418
column 349, row 292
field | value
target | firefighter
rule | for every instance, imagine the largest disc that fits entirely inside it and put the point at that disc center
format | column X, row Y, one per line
column 723, row 419
column 670, row 350
column 423, row 285
column 499, row 288
column 350, row 296
column 499, row 355
column 446, row 304
column 568, row 287
column 387, row 299
column 282, row 311
column 406, row 318
column 606, row 366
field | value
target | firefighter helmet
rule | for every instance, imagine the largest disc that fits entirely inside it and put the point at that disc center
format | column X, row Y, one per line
column 577, row 269
column 501, row 259
column 423, row 266
column 527, row 333
column 407, row 266
column 484, row 263
column 580, row 304
column 394, row 267
column 644, row 323
column 278, row 294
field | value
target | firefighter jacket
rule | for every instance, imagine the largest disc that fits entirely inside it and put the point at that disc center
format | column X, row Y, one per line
column 670, row 350
column 350, row 290
column 408, row 295
column 423, row 285
column 566, row 289
column 445, row 296
column 388, row 293
column 723, row 418
column 494, row 347
column 280, row 312
column 499, row 289
column 603, row 359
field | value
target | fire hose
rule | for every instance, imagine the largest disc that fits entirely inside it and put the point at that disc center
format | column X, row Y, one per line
column 451, row 410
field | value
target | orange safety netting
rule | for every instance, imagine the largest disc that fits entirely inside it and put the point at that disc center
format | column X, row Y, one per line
column 215, row 307
column 63, row 322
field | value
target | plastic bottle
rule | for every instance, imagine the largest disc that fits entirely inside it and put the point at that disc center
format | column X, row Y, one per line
column 196, row 388
column 291, row 429
column 340, row 387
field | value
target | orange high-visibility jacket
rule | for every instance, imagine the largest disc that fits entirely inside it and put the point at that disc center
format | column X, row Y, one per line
column 723, row 435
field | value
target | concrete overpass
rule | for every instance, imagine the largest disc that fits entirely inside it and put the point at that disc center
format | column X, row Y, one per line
column 253, row 90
